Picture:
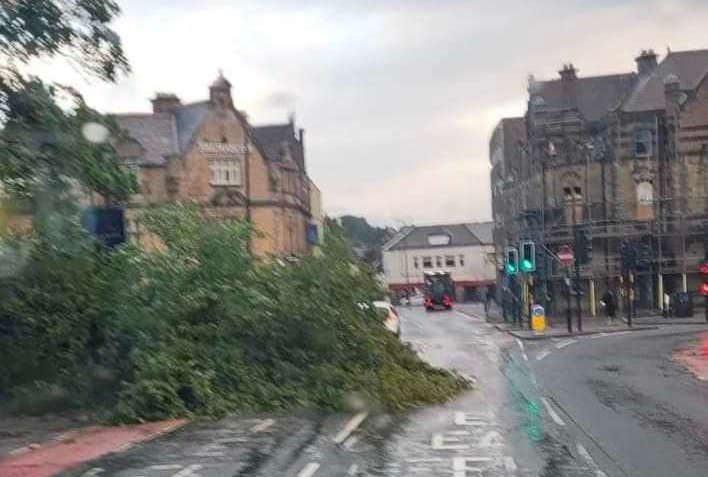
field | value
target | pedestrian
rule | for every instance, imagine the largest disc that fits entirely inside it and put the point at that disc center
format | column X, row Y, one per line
column 608, row 301
column 488, row 300
column 667, row 305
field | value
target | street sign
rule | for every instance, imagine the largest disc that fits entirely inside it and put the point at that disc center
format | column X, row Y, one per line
column 566, row 255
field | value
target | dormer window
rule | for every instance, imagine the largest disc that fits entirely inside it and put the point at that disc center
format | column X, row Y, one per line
column 439, row 239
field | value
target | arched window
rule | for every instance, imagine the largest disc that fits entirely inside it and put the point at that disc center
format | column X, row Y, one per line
column 645, row 193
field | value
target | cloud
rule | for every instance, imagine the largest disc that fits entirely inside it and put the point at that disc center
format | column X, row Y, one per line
column 399, row 96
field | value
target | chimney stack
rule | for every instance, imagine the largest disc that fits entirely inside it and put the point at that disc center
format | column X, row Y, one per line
column 568, row 72
column 165, row 103
column 646, row 62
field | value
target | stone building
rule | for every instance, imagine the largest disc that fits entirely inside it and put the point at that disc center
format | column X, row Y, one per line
column 207, row 152
column 464, row 250
column 615, row 164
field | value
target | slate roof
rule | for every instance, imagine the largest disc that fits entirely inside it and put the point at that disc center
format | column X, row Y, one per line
column 272, row 138
column 648, row 95
column 417, row 237
column 483, row 231
column 156, row 133
column 593, row 96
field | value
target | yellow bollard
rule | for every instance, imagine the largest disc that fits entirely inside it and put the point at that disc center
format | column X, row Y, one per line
column 538, row 319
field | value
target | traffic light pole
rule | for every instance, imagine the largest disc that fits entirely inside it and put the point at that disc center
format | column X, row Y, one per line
column 568, row 317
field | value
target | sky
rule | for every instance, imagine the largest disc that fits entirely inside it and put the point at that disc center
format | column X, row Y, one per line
column 398, row 98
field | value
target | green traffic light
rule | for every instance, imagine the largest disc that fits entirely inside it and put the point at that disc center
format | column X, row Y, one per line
column 526, row 265
column 510, row 268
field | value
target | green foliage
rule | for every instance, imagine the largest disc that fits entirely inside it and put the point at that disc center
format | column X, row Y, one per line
column 43, row 150
column 76, row 29
column 201, row 327
column 358, row 230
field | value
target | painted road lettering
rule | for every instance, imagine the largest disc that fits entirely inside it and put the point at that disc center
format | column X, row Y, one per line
column 447, row 441
column 463, row 466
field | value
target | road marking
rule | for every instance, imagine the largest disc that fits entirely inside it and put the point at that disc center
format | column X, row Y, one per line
column 509, row 464
column 599, row 335
column 543, row 354
column 352, row 469
column 166, row 467
column 460, row 465
column 520, row 343
column 93, row 472
column 262, row 426
column 350, row 427
column 309, row 470
column 188, row 471
column 350, row 442
column 524, row 355
column 556, row 418
column 591, row 462
column 565, row 343
column 420, row 461
column 439, row 442
column 471, row 317
column 20, row 450
column 619, row 333
column 471, row 419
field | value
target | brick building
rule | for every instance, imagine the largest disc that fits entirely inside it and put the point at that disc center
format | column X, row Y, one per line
column 616, row 163
column 207, row 152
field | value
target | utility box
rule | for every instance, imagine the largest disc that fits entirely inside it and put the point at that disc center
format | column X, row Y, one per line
column 538, row 319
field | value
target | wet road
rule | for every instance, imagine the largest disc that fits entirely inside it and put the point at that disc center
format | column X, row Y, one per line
column 622, row 395
column 556, row 408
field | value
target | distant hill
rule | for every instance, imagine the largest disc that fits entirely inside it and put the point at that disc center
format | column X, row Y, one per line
column 365, row 238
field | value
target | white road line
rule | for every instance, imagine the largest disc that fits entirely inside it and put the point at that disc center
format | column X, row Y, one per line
column 591, row 462
column 188, row 471
column 20, row 450
column 352, row 469
column 263, row 425
column 419, row 461
column 556, row 418
column 309, row 470
column 565, row 343
column 470, row 317
column 166, row 467
column 350, row 442
column 599, row 335
column 509, row 465
column 350, row 427
column 543, row 354
column 520, row 343
column 619, row 333
column 524, row 355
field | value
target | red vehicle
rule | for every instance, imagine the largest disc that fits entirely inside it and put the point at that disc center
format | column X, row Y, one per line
column 438, row 290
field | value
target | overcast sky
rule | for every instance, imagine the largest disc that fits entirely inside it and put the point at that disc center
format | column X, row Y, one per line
column 397, row 97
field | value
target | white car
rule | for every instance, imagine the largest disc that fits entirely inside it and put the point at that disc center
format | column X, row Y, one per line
column 390, row 316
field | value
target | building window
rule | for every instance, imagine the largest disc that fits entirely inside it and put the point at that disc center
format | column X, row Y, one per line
column 415, row 262
column 642, row 143
column 645, row 193
column 427, row 262
column 225, row 172
column 462, row 260
column 449, row 260
column 439, row 239
column 438, row 261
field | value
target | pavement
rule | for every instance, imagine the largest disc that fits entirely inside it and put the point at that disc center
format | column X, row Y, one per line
column 602, row 405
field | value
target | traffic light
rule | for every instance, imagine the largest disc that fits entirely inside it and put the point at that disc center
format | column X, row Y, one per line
column 511, row 264
column 528, row 257
column 583, row 246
